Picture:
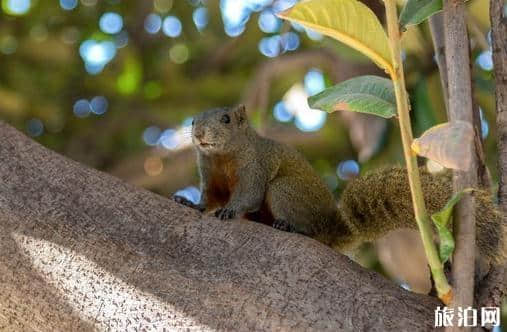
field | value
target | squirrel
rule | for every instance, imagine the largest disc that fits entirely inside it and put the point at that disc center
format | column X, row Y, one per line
column 246, row 175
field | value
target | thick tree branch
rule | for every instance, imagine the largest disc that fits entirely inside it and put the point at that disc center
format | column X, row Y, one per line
column 81, row 250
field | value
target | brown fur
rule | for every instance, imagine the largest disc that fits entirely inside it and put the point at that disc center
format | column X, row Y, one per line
column 380, row 201
column 244, row 174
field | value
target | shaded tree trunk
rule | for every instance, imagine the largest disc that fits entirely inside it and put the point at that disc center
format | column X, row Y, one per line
column 82, row 250
column 494, row 288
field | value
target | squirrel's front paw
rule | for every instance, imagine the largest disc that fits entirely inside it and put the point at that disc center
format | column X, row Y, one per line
column 187, row 202
column 224, row 214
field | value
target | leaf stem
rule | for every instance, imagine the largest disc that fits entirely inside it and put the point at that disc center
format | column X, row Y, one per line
column 421, row 215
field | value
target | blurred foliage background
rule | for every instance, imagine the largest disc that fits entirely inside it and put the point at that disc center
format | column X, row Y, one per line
column 114, row 84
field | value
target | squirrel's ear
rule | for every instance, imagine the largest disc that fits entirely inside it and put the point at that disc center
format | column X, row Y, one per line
column 240, row 112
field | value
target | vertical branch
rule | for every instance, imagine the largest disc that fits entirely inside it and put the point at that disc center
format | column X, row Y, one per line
column 436, row 23
column 460, row 108
column 494, row 289
column 421, row 215
column 499, row 45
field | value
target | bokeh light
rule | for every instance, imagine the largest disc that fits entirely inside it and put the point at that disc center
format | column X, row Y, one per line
column 234, row 12
column 310, row 120
column 270, row 46
column 281, row 113
column 16, row 7
column 34, row 127
column 191, row 193
column 314, row 82
column 172, row 26
column 179, row 53
column 290, row 41
column 152, row 23
column 347, row 170
column 98, row 105
column 68, row 4
column 484, row 124
column 268, row 22
column 314, row 35
column 153, row 166
column 200, row 18
column 306, row 118
column 169, row 139
column 281, row 5
column 163, row 6
column 121, row 39
column 96, row 54
column 82, row 108
column 111, row 23
column 234, row 31
column 151, row 135
column 485, row 60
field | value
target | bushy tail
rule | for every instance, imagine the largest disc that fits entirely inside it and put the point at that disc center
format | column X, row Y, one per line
column 378, row 202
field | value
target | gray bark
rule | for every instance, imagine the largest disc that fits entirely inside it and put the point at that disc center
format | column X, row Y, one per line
column 461, row 108
column 436, row 23
column 499, row 47
column 437, row 28
column 82, row 250
column 493, row 289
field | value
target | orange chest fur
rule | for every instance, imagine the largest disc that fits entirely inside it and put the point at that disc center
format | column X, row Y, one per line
column 223, row 175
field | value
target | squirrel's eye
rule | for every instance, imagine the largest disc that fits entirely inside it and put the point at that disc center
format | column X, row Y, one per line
column 193, row 121
column 225, row 118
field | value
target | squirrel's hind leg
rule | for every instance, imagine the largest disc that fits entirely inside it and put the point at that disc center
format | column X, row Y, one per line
column 290, row 212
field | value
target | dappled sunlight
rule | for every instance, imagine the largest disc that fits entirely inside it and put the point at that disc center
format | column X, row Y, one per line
column 97, row 296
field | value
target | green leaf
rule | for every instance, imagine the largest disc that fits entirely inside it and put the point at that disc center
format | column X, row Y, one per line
column 416, row 11
column 441, row 220
column 363, row 94
column 348, row 21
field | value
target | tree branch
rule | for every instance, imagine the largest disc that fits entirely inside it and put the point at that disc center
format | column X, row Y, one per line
column 494, row 288
column 460, row 108
column 81, row 250
column 437, row 28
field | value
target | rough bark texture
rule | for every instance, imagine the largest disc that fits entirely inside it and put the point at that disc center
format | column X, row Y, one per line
column 499, row 45
column 494, row 288
column 460, row 108
column 83, row 250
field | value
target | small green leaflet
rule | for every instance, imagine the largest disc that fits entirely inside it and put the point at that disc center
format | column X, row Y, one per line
column 364, row 94
column 441, row 220
column 416, row 11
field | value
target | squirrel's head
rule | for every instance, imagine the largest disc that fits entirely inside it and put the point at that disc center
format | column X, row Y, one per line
column 215, row 130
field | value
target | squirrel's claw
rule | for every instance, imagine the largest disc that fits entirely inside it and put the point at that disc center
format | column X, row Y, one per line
column 224, row 214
